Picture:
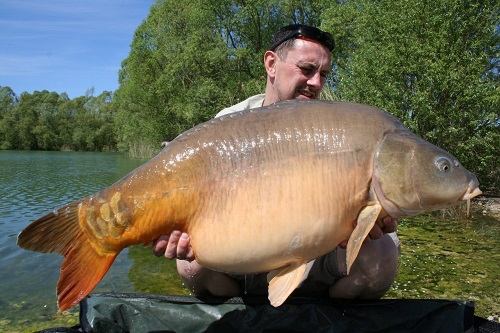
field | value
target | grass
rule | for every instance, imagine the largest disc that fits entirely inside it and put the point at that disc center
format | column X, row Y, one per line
column 143, row 150
column 444, row 256
column 450, row 258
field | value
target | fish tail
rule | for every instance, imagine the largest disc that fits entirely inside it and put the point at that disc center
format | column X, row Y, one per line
column 82, row 269
column 83, row 266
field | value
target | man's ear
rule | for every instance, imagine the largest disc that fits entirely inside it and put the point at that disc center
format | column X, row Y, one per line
column 270, row 59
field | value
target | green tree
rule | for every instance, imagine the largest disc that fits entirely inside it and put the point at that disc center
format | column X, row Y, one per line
column 51, row 121
column 93, row 121
column 25, row 117
column 433, row 64
column 172, row 77
column 189, row 61
column 8, row 101
column 46, row 130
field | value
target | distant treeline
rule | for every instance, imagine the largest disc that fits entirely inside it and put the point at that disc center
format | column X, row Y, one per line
column 51, row 121
column 433, row 64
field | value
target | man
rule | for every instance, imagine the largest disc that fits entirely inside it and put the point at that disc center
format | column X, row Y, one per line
column 297, row 64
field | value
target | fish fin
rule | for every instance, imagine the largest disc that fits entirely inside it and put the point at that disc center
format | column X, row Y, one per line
column 83, row 267
column 283, row 281
column 52, row 233
column 366, row 220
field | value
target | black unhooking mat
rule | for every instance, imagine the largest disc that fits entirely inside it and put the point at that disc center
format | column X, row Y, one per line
column 165, row 313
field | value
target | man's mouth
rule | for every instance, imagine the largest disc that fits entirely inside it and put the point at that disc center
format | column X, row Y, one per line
column 308, row 94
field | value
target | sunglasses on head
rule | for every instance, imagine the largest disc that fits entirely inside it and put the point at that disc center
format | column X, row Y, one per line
column 322, row 37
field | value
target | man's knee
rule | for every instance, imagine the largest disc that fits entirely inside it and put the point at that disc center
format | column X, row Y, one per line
column 381, row 265
column 372, row 273
column 202, row 281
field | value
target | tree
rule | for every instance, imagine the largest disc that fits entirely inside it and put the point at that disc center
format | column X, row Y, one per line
column 8, row 101
column 46, row 130
column 51, row 121
column 188, row 62
column 433, row 64
column 172, row 78
column 94, row 122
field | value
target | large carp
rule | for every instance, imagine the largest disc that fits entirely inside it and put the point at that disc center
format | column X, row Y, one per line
column 265, row 190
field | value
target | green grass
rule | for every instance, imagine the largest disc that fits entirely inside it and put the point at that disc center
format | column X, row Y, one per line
column 450, row 258
column 443, row 257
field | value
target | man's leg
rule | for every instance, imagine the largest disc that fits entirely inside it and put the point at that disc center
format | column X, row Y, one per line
column 373, row 271
column 203, row 281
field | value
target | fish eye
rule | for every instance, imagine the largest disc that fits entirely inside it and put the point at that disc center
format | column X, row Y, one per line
column 443, row 164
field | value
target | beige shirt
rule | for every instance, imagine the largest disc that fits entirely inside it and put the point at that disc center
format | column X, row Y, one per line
column 250, row 103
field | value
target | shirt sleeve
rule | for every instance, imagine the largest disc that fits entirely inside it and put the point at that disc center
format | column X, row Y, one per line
column 250, row 103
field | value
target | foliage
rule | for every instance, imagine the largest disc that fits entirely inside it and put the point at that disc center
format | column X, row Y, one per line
column 188, row 62
column 49, row 121
column 433, row 64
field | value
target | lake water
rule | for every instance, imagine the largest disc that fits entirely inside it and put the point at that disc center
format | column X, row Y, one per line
column 31, row 185
column 450, row 258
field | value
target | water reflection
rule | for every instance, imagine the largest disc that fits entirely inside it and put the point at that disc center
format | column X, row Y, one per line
column 32, row 184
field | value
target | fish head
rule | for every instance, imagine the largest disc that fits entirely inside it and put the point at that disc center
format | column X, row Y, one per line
column 412, row 176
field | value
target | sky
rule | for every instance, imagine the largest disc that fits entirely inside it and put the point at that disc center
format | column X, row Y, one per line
column 66, row 45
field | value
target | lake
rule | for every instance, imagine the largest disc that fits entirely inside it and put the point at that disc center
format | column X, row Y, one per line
column 31, row 185
column 454, row 259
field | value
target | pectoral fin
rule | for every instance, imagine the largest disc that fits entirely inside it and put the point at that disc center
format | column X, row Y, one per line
column 366, row 221
column 283, row 281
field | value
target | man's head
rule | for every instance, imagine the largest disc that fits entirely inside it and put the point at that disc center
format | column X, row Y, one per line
column 297, row 63
column 283, row 40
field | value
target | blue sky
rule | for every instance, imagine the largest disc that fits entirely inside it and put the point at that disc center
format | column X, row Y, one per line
column 66, row 45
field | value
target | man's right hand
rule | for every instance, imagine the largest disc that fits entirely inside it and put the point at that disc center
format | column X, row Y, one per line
column 174, row 246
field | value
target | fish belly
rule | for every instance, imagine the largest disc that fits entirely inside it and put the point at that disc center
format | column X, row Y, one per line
column 257, row 221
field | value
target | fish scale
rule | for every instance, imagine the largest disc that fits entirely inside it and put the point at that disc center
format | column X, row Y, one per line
column 266, row 190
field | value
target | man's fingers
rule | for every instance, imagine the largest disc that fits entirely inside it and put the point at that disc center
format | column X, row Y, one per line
column 382, row 226
column 184, row 250
column 159, row 245
column 176, row 245
column 376, row 232
column 171, row 250
column 389, row 224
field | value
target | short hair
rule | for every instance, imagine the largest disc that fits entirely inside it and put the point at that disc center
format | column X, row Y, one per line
column 284, row 39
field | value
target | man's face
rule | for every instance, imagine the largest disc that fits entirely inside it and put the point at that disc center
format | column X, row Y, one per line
column 302, row 74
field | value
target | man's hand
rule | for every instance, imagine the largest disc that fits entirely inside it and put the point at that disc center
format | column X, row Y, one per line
column 382, row 226
column 175, row 245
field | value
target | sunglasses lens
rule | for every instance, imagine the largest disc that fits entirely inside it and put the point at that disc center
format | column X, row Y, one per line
column 324, row 38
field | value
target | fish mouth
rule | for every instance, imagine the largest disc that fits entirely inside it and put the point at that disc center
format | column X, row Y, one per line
column 472, row 192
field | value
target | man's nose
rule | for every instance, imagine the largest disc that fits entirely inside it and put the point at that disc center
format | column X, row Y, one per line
column 315, row 80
